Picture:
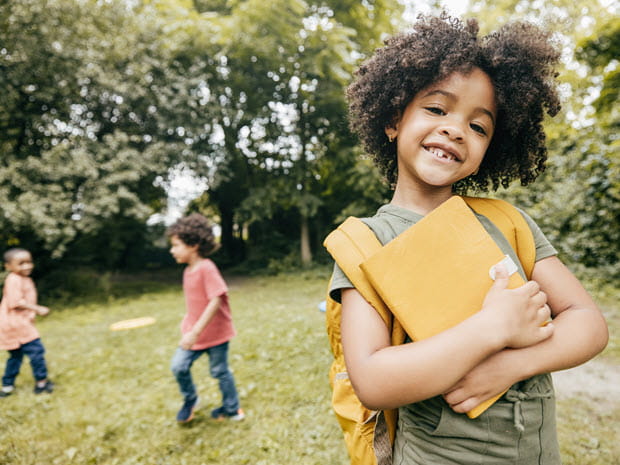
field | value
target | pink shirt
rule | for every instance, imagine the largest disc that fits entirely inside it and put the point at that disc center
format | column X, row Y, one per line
column 201, row 284
column 17, row 326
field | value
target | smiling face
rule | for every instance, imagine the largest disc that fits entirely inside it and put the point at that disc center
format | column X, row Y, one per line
column 444, row 132
column 21, row 263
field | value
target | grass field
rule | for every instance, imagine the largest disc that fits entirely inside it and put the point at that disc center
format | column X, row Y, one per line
column 115, row 400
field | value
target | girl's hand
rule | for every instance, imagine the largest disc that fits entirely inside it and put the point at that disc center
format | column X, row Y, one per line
column 483, row 382
column 520, row 313
column 188, row 340
column 41, row 310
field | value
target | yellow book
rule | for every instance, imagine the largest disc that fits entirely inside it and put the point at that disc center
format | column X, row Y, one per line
column 437, row 273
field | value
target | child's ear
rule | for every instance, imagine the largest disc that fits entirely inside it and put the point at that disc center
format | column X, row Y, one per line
column 391, row 133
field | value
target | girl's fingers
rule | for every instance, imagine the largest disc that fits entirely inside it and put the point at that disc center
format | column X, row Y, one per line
column 532, row 287
column 544, row 313
column 546, row 331
column 453, row 398
column 540, row 299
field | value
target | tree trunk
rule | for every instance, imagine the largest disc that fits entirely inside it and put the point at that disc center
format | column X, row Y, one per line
column 306, row 254
column 227, row 238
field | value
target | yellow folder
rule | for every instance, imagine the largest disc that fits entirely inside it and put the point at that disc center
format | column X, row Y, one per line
column 436, row 273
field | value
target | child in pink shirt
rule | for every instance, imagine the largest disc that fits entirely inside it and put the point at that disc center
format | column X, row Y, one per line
column 18, row 334
column 207, row 325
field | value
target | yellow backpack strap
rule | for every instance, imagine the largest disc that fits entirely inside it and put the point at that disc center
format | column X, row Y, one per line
column 350, row 244
column 512, row 225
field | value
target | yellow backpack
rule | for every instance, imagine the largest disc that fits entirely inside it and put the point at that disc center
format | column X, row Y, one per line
column 368, row 434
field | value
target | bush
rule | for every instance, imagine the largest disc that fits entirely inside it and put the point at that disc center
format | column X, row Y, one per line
column 63, row 285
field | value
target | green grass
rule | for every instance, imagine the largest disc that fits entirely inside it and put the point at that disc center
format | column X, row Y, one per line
column 116, row 400
column 609, row 304
column 587, row 430
column 588, row 435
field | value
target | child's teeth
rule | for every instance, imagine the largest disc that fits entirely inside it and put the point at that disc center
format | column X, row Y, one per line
column 440, row 153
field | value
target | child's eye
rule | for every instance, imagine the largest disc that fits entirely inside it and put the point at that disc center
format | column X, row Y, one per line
column 478, row 128
column 435, row 110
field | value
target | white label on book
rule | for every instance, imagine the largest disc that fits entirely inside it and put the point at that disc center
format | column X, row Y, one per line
column 508, row 263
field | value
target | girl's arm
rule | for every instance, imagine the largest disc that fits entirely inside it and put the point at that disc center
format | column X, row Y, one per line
column 580, row 333
column 38, row 309
column 15, row 294
column 385, row 376
column 189, row 339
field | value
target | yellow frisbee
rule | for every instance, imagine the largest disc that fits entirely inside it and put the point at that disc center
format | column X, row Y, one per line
column 132, row 323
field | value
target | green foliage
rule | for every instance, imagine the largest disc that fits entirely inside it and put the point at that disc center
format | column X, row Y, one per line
column 355, row 185
column 577, row 200
column 102, row 100
column 80, row 144
column 277, row 101
column 63, row 285
column 600, row 52
column 74, row 186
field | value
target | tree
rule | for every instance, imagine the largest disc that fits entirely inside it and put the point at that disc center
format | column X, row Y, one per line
column 576, row 200
column 280, row 114
column 81, row 136
column 264, row 86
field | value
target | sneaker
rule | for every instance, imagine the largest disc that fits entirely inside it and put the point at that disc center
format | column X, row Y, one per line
column 219, row 414
column 6, row 391
column 186, row 414
column 47, row 387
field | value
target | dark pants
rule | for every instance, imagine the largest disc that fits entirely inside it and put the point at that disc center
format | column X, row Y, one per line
column 218, row 367
column 34, row 350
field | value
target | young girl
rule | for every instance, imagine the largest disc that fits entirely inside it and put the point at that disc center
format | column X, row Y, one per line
column 441, row 111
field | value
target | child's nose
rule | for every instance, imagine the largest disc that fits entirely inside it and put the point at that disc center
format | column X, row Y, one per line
column 452, row 132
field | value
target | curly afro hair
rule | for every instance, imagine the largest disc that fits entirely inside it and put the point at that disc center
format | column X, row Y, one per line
column 520, row 59
column 195, row 229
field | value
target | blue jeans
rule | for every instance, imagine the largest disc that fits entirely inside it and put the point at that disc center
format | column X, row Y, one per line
column 218, row 368
column 34, row 350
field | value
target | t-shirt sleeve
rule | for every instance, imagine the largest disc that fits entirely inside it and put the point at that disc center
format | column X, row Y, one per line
column 338, row 282
column 213, row 281
column 544, row 248
column 13, row 291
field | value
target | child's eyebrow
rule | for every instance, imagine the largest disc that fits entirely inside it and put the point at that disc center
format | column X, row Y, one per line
column 452, row 96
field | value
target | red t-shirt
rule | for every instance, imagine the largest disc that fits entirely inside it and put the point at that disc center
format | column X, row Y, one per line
column 17, row 326
column 201, row 284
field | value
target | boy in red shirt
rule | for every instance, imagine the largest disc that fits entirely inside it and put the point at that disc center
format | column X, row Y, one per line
column 18, row 334
column 207, row 325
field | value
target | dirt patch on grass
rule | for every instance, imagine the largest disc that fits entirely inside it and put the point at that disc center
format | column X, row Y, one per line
column 597, row 380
